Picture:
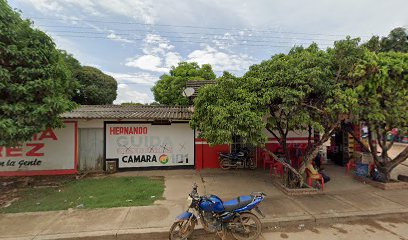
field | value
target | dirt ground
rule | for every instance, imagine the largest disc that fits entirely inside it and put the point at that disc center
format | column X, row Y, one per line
column 11, row 186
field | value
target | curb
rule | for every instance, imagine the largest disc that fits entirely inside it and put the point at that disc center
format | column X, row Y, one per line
column 268, row 223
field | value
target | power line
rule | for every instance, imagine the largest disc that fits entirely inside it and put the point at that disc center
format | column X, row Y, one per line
column 180, row 37
column 192, row 33
column 239, row 44
column 222, row 37
column 189, row 26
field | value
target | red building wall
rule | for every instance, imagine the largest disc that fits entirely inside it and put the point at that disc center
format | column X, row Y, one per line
column 207, row 157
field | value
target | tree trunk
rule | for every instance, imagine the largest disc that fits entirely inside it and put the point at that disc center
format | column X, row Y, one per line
column 385, row 166
column 285, row 148
column 288, row 166
column 390, row 165
column 312, row 151
column 349, row 130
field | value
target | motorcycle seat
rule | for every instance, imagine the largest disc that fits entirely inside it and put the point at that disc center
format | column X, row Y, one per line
column 237, row 203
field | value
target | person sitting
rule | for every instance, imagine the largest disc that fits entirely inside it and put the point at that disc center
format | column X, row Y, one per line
column 317, row 162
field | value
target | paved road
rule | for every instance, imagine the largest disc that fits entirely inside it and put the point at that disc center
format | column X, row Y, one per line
column 390, row 229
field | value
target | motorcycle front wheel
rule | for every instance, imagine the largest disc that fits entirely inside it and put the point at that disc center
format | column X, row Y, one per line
column 181, row 230
column 251, row 164
column 250, row 227
column 225, row 163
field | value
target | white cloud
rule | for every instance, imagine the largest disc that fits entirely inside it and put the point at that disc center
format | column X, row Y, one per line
column 219, row 60
column 157, row 57
column 115, row 37
column 225, row 42
column 45, row 6
column 147, row 62
column 138, row 78
column 140, row 10
column 128, row 93
column 136, row 9
column 155, row 44
column 172, row 58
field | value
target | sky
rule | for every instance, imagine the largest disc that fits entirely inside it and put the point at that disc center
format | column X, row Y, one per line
column 137, row 41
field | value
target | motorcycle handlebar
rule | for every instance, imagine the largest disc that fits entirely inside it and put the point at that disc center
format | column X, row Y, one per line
column 258, row 194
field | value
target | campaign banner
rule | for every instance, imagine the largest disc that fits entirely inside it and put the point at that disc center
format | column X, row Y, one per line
column 144, row 145
column 53, row 151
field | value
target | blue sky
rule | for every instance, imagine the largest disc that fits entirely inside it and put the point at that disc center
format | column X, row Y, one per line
column 136, row 41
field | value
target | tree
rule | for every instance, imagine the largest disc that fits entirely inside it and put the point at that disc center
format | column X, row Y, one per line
column 73, row 66
column 168, row 90
column 34, row 86
column 132, row 104
column 307, row 88
column 397, row 41
column 91, row 86
column 383, row 94
column 288, row 83
column 95, row 87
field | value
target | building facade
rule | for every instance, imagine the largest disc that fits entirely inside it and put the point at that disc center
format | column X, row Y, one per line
column 134, row 137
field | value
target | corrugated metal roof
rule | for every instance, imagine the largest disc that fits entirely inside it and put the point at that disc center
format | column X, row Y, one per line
column 196, row 84
column 129, row 112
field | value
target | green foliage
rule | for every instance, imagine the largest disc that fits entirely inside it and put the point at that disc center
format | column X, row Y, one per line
column 374, row 44
column 132, row 104
column 291, row 87
column 168, row 90
column 306, row 88
column 397, row 41
column 383, row 94
column 96, row 87
column 34, row 83
column 73, row 66
column 229, row 108
column 72, row 63
column 91, row 86
column 384, row 91
column 290, row 91
column 105, row 192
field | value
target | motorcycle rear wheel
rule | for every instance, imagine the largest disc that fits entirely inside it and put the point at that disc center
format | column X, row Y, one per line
column 181, row 230
column 225, row 164
column 252, row 227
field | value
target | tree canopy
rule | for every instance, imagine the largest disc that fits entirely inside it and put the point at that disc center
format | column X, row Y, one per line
column 34, row 83
column 397, row 41
column 383, row 95
column 168, row 90
column 306, row 88
column 95, row 87
column 92, row 86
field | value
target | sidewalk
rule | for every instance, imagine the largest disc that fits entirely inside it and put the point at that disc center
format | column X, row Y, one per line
column 344, row 199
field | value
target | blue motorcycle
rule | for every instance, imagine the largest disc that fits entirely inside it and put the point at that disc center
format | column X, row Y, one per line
column 220, row 217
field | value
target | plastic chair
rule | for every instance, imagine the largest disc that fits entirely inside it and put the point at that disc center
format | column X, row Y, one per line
column 371, row 167
column 277, row 168
column 266, row 159
column 350, row 164
column 317, row 177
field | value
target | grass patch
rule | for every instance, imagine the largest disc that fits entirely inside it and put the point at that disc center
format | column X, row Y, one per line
column 103, row 192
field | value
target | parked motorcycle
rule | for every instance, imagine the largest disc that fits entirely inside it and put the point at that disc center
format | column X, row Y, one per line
column 239, row 159
column 220, row 217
